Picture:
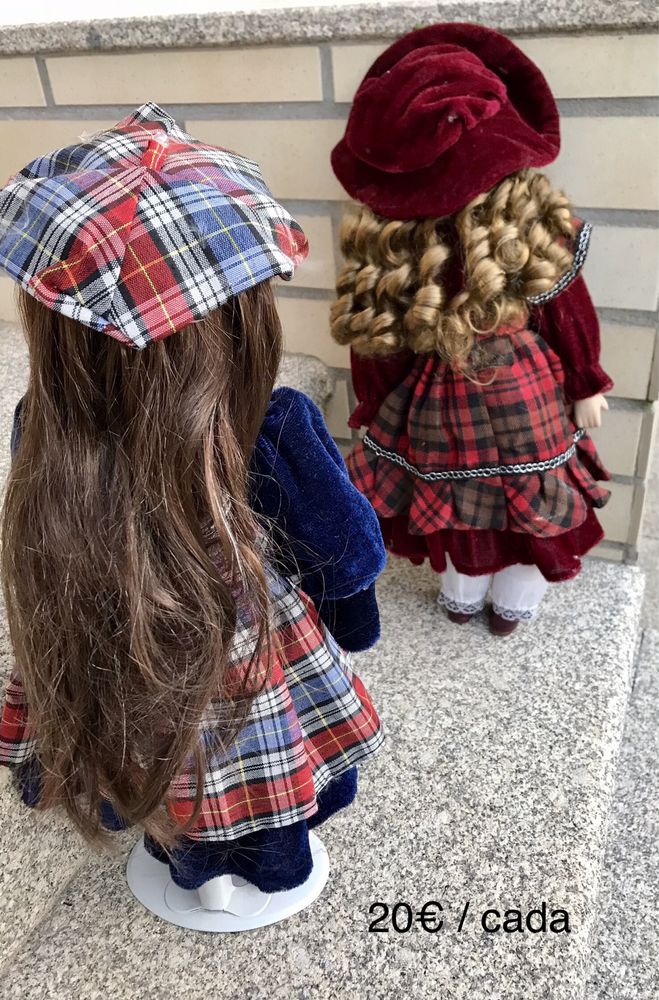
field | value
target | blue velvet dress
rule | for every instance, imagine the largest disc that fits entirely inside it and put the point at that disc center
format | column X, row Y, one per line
column 325, row 536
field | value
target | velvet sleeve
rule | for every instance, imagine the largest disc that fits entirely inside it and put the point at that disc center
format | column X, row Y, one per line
column 569, row 325
column 373, row 379
column 326, row 532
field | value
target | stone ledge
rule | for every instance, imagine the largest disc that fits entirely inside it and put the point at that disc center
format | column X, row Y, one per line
column 626, row 957
column 359, row 21
column 495, row 785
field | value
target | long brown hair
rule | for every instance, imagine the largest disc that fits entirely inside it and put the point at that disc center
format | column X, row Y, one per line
column 128, row 546
column 512, row 243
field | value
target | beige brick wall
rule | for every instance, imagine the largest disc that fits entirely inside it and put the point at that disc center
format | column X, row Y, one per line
column 21, row 141
column 19, row 83
column 581, row 66
column 287, row 108
column 186, row 77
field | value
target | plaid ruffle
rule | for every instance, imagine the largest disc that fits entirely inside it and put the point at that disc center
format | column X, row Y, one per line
column 142, row 229
column 509, row 413
column 312, row 721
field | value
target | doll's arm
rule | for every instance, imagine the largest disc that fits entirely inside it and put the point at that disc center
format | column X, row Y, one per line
column 326, row 531
column 569, row 325
column 566, row 319
column 373, row 379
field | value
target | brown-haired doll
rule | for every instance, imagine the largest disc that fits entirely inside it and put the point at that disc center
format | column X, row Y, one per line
column 185, row 561
column 475, row 345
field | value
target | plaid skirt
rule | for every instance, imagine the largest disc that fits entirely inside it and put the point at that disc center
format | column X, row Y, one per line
column 311, row 722
column 493, row 451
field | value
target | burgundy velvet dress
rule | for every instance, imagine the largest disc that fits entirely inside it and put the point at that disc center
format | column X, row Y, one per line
column 490, row 469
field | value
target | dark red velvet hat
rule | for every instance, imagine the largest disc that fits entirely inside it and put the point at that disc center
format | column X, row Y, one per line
column 443, row 115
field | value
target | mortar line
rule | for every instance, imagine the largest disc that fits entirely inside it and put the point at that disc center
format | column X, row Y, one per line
column 326, row 107
column 611, row 544
column 642, row 218
column 317, row 294
column 644, row 450
column 653, row 386
column 210, row 111
column 44, row 78
column 608, row 107
column 628, row 317
column 636, row 511
column 307, row 206
column 326, row 73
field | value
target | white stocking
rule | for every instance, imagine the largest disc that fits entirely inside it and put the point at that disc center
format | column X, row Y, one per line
column 517, row 592
column 463, row 594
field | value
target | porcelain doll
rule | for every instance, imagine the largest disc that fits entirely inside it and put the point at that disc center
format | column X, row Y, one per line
column 475, row 344
column 186, row 564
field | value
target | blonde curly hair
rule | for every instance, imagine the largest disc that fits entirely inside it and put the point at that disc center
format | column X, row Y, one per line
column 513, row 243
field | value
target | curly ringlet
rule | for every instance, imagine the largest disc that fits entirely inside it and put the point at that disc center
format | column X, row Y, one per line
column 390, row 293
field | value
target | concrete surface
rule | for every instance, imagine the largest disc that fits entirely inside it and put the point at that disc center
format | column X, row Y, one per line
column 649, row 544
column 494, row 787
column 243, row 25
column 308, row 374
column 626, row 956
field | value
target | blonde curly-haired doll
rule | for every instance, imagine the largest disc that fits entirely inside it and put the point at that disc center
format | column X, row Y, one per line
column 475, row 345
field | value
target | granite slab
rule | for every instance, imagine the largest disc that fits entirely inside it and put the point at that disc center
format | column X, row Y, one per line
column 494, row 788
column 308, row 374
column 13, row 378
column 625, row 962
column 38, row 854
column 649, row 563
column 333, row 22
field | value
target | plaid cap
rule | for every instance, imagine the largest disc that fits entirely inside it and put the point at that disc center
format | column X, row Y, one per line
column 142, row 229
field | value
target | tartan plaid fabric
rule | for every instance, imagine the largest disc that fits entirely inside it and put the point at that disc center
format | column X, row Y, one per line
column 509, row 413
column 142, row 229
column 312, row 721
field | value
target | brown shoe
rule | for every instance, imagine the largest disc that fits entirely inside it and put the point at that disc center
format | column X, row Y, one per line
column 499, row 625
column 458, row 617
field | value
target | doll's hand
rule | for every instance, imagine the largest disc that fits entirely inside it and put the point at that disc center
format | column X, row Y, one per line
column 588, row 412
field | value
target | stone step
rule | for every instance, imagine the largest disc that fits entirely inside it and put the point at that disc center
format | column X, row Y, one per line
column 625, row 964
column 494, row 788
column 39, row 855
column 309, row 375
column 13, row 377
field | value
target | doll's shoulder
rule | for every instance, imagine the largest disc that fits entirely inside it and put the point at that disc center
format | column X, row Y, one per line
column 579, row 245
column 294, row 416
column 294, row 442
column 287, row 402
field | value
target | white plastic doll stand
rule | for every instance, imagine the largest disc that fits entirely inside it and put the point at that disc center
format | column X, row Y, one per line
column 225, row 904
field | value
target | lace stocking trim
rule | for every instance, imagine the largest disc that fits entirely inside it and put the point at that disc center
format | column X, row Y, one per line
column 460, row 607
column 515, row 615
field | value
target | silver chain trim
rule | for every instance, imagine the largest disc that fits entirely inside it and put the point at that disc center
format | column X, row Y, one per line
column 480, row 472
column 580, row 253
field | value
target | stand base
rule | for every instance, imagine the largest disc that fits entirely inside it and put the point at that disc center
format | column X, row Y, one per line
column 247, row 907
